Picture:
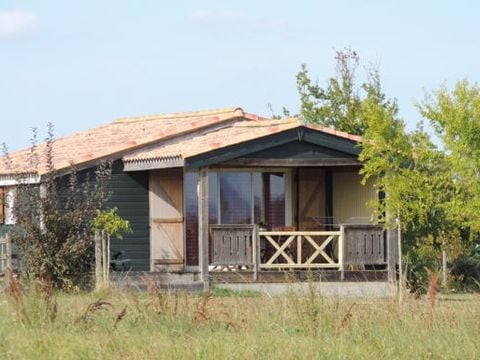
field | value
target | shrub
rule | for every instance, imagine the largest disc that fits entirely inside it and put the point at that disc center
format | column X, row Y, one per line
column 466, row 272
column 54, row 234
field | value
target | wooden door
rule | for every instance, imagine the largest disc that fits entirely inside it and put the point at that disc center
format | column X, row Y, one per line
column 311, row 197
column 166, row 220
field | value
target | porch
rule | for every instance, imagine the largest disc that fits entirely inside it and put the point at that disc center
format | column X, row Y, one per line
column 353, row 253
column 311, row 246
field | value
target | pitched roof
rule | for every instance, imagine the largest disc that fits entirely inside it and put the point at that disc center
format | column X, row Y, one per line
column 120, row 136
column 236, row 133
column 156, row 137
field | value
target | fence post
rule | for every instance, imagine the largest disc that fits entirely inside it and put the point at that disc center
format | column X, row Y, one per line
column 256, row 251
column 8, row 250
column 98, row 260
column 341, row 252
column 391, row 254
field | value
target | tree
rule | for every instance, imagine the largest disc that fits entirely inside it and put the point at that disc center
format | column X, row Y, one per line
column 416, row 177
column 53, row 232
column 339, row 105
column 413, row 173
column 455, row 116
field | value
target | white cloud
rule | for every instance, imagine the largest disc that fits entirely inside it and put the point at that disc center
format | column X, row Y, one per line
column 14, row 23
column 215, row 17
column 236, row 18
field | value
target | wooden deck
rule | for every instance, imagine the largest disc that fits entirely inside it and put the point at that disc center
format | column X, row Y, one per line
column 233, row 277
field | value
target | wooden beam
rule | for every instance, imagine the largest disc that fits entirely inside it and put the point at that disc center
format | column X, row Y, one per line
column 391, row 254
column 167, row 221
column 292, row 162
column 203, row 226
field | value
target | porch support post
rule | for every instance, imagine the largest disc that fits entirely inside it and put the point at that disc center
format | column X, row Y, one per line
column 255, row 251
column 203, row 227
column 341, row 252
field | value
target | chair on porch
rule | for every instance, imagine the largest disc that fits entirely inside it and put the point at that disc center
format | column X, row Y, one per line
column 267, row 252
column 118, row 262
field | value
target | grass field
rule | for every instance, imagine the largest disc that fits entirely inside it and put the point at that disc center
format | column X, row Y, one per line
column 41, row 324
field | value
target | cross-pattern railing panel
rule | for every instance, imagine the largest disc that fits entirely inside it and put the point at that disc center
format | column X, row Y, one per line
column 300, row 249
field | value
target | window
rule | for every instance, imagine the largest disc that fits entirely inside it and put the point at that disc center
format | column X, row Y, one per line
column 235, row 197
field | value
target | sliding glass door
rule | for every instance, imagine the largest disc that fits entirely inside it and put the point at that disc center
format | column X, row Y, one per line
column 237, row 197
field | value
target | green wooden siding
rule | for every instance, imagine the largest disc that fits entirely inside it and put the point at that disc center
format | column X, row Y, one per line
column 299, row 150
column 329, row 145
column 129, row 193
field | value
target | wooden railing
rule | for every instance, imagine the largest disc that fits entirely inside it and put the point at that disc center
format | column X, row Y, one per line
column 364, row 245
column 243, row 247
column 301, row 249
column 233, row 245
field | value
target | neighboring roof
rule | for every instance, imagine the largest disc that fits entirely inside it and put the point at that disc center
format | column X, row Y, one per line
column 119, row 137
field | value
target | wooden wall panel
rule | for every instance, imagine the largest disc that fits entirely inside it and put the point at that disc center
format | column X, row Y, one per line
column 350, row 197
column 311, row 197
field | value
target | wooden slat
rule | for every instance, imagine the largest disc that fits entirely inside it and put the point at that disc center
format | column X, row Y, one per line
column 299, row 266
column 167, row 221
column 292, row 162
column 167, row 261
column 303, row 233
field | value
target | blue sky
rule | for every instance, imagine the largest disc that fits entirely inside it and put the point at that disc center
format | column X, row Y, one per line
column 82, row 63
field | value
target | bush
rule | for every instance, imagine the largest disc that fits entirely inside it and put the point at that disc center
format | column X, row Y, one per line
column 466, row 272
column 421, row 261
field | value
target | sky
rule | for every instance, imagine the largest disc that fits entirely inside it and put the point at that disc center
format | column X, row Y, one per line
column 80, row 64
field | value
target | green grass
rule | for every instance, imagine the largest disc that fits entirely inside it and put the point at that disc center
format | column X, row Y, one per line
column 233, row 325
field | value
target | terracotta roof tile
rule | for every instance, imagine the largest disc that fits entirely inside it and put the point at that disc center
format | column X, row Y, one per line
column 120, row 136
column 202, row 142
column 162, row 136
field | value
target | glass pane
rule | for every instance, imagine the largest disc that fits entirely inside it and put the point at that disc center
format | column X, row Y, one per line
column 212, row 198
column 236, row 198
column 191, row 217
column 191, row 211
column 274, row 199
column 258, row 208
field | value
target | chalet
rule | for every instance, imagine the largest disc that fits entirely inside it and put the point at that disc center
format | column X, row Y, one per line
column 227, row 196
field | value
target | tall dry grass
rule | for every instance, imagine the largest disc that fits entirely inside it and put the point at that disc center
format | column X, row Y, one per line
column 37, row 323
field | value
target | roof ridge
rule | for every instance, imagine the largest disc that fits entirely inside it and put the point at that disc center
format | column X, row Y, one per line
column 175, row 115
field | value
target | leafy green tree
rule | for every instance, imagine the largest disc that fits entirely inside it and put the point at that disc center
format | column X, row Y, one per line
column 414, row 174
column 455, row 116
